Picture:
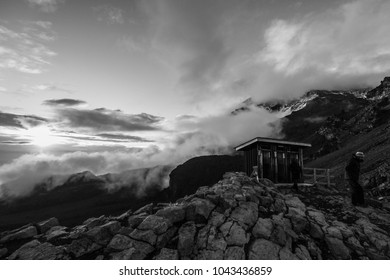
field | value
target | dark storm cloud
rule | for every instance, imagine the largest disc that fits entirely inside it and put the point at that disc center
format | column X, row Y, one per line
column 63, row 102
column 123, row 137
column 109, row 120
column 20, row 121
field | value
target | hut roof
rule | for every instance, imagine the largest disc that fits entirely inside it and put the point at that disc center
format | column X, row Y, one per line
column 270, row 140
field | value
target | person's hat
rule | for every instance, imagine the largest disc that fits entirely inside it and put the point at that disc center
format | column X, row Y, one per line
column 359, row 155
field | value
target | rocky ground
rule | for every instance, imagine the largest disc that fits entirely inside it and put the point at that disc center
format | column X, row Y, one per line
column 237, row 218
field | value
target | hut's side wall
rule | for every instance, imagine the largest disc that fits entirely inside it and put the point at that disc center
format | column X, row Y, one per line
column 251, row 159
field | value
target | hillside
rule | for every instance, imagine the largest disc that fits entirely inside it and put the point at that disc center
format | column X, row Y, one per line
column 237, row 218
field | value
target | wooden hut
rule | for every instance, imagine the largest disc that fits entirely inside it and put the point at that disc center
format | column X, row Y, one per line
column 271, row 158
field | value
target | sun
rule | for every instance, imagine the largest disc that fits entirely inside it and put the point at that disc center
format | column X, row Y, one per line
column 41, row 136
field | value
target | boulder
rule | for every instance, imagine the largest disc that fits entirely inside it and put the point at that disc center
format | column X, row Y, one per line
column 265, row 201
column 317, row 217
column 44, row 226
column 3, row 252
column 166, row 237
column 135, row 220
column 56, row 232
column 174, row 214
column 199, row 210
column 262, row 249
column 82, row 247
column 316, row 231
column 234, row 253
column 302, row 253
column 144, row 235
column 210, row 255
column 167, row 254
column 94, row 222
column 99, row 235
column 34, row 250
column 128, row 254
column 234, row 234
column 279, row 206
column 295, row 202
column 298, row 219
column 186, row 238
column 245, row 214
column 263, row 228
column 119, row 243
column 128, row 248
column 286, row 254
column 113, row 227
column 24, row 233
column 334, row 232
column 216, row 219
column 158, row 224
column 337, row 248
column 215, row 240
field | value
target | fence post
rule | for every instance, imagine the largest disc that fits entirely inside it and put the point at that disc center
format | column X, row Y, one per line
column 314, row 176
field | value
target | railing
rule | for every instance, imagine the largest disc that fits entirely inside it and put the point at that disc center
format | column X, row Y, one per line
column 319, row 176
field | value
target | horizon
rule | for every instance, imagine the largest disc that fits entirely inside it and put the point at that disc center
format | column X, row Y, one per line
column 112, row 86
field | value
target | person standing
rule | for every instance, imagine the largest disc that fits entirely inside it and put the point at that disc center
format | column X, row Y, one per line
column 296, row 173
column 353, row 173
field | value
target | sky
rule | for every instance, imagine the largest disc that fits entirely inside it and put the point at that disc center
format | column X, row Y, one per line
column 108, row 86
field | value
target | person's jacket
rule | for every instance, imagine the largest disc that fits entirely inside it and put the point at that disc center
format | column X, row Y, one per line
column 296, row 170
column 353, row 169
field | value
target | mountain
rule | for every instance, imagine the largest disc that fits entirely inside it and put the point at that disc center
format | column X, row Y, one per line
column 237, row 218
column 383, row 90
column 82, row 195
column 186, row 178
column 328, row 119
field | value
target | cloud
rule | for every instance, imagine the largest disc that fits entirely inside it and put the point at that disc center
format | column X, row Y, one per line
column 123, row 137
column 345, row 47
column 110, row 14
column 24, row 51
column 63, row 102
column 188, row 35
column 20, row 121
column 108, row 120
column 227, row 130
column 19, row 177
column 51, row 87
column 41, row 30
column 47, row 6
column 190, row 137
column 230, row 50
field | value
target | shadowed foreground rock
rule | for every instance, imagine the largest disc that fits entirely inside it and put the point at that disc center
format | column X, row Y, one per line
column 237, row 218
